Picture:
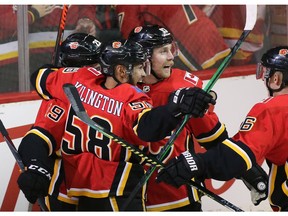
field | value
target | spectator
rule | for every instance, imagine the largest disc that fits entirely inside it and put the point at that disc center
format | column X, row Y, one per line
column 231, row 26
column 43, row 28
column 200, row 43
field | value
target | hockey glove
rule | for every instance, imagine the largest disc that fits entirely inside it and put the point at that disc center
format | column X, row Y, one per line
column 34, row 182
column 180, row 170
column 194, row 101
column 256, row 180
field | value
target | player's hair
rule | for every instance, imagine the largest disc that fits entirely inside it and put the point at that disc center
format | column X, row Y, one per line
column 127, row 53
column 80, row 49
column 151, row 36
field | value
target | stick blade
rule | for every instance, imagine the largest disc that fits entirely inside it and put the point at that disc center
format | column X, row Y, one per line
column 3, row 129
column 251, row 17
column 73, row 96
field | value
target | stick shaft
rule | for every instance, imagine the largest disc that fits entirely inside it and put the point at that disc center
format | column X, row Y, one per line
column 62, row 23
column 18, row 159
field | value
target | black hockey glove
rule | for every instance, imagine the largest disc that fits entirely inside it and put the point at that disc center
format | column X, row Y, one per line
column 180, row 170
column 256, row 180
column 34, row 182
column 194, row 101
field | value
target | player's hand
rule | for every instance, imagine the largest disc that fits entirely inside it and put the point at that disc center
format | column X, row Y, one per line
column 43, row 10
column 194, row 101
column 180, row 170
column 256, row 180
column 34, row 182
column 85, row 25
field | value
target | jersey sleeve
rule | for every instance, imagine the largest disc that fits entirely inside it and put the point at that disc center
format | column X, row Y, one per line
column 257, row 123
column 50, row 121
column 208, row 131
column 48, row 82
column 245, row 148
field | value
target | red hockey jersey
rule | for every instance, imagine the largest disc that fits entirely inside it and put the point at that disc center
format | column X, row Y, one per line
column 262, row 135
column 116, row 110
column 207, row 130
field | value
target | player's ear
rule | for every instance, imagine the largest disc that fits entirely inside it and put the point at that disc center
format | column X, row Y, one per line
column 121, row 70
column 277, row 78
column 120, row 73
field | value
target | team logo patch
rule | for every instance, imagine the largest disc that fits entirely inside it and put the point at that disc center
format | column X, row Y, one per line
column 116, row 44
column 283, row 52
column 191, row 78
column 137, row 29
column 74, row 45
column 146, row 88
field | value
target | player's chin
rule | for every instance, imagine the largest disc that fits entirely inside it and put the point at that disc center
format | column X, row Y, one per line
column 166, row 72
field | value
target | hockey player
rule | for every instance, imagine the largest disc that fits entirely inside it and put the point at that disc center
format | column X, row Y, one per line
column 120, row 107
column 164, row 80
column 42, row 141
column 262, row 135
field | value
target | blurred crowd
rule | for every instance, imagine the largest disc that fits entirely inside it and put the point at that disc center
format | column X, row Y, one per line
column 204, row 33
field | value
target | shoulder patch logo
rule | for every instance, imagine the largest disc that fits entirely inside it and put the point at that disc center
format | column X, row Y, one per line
column 146, row 88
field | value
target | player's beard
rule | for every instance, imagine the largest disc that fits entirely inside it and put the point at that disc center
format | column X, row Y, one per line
column 131, row 80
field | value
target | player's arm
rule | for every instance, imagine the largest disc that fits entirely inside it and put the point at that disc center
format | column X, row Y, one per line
column 48, row 80
column 157, row 123
column 223, row 162
column 34, row 150
column 37, row 149
column 38, row 80
column 208, row 131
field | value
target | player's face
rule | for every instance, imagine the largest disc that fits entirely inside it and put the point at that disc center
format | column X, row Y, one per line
column 162, row 61
column 138, row 74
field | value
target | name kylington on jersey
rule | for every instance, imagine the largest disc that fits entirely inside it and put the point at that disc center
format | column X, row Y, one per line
column 99, row 100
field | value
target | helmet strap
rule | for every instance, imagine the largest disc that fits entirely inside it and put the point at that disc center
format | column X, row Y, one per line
column 155, row 75
column 114, row 77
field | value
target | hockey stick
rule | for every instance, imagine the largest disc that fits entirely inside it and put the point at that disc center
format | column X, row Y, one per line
column 62, row 23
column 18, row 159
column 73, row 96
column 251, row 15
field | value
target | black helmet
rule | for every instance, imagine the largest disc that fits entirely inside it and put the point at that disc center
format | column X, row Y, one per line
column 127, row 53
column 151, row 36
column 276, row 58
column 79, row 49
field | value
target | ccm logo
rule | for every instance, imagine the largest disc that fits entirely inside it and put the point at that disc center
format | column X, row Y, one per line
column 41, row 170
